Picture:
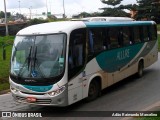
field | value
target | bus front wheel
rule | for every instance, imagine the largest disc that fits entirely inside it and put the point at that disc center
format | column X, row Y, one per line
column 94, row 90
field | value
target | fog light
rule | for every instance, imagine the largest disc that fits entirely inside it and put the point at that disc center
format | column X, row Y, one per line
column 57, row 92
column 14, row 89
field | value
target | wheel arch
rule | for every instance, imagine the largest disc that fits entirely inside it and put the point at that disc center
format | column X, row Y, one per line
column 96, row 77
column 141, row 60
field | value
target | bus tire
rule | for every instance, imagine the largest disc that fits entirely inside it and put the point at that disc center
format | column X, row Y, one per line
column 140, row 69
column 94, row 90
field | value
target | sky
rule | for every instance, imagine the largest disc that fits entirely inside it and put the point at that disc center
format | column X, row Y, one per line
column 72, row 7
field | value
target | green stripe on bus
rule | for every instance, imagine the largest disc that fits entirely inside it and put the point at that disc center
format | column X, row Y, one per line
column 38, row 88
column 112, row 60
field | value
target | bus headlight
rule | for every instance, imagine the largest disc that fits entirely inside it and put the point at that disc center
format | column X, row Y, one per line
column 57, row 92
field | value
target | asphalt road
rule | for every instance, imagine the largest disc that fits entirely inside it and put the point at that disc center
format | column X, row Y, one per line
column 131, row 94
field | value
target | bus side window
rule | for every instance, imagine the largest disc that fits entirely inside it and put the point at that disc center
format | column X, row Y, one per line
column 136, row 33
column 76, row 57
column 145, row 33
column 107, row 39
column 153, row 32
column 114, row 38
column 126, row 35
column 96, row 40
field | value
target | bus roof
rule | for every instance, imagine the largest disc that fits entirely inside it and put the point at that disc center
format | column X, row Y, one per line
column 68, row 26
column 52, row 27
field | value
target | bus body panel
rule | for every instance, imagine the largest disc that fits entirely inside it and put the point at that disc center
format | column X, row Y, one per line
column 75, row 89
column 152, row 56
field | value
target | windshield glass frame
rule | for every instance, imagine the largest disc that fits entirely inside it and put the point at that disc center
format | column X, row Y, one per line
column 31, row 63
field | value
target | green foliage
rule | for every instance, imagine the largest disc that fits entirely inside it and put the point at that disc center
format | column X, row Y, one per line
column 144, row 9
column 37, row 21
column 6, row 40
column 148, row 9
column 148, row 118
column 114, row 12
column 2, row 14
column 4, row 86
column 129, row 7
column 5, row 64
column 158, row 27
column 85, row 14
column 111, row 2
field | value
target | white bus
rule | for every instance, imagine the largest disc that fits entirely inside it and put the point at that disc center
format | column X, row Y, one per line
column 61, row 63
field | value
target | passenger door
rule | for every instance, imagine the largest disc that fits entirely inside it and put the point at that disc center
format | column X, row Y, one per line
column 76, row 64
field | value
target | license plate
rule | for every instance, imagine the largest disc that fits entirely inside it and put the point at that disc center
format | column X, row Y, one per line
column 31, row 99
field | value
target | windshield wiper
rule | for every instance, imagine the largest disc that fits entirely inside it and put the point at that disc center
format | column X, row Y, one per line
column 35, row 62
column 27, row 59
column 35, row 57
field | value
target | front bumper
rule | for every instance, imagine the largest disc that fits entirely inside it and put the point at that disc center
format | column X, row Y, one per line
column 41, row 98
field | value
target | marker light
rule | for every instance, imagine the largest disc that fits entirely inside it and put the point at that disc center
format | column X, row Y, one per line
column 57, row 92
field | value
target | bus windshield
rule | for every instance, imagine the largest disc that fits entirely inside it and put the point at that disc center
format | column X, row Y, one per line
column 40, row 56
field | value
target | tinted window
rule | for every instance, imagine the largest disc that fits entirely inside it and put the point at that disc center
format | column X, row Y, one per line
column 126, row 33
column 145, row 33
column 153, row 32
column 96, row 40
column 76, row 57
column 136, row 32
column 114, row 38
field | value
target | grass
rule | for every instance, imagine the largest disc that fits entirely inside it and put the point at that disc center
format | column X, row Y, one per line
column 148, row 118
column 158, row 27
column 4, row 86
column 5, row 64
column 6, row 38
column 4, row 68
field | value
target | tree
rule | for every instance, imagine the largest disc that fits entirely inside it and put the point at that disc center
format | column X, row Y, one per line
column 128, row 7
column 155, row 11
column 2, row 14
column 84, row 14
column 111, row 2
column 148, row 9
column 115, row 10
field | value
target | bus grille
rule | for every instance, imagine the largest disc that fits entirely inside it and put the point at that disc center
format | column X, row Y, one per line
column 38, row 101
column 33, row 93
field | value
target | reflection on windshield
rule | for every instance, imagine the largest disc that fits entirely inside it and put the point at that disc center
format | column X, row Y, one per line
column 38, row 56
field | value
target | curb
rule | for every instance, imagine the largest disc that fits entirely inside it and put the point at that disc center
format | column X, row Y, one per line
column 4, row 91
